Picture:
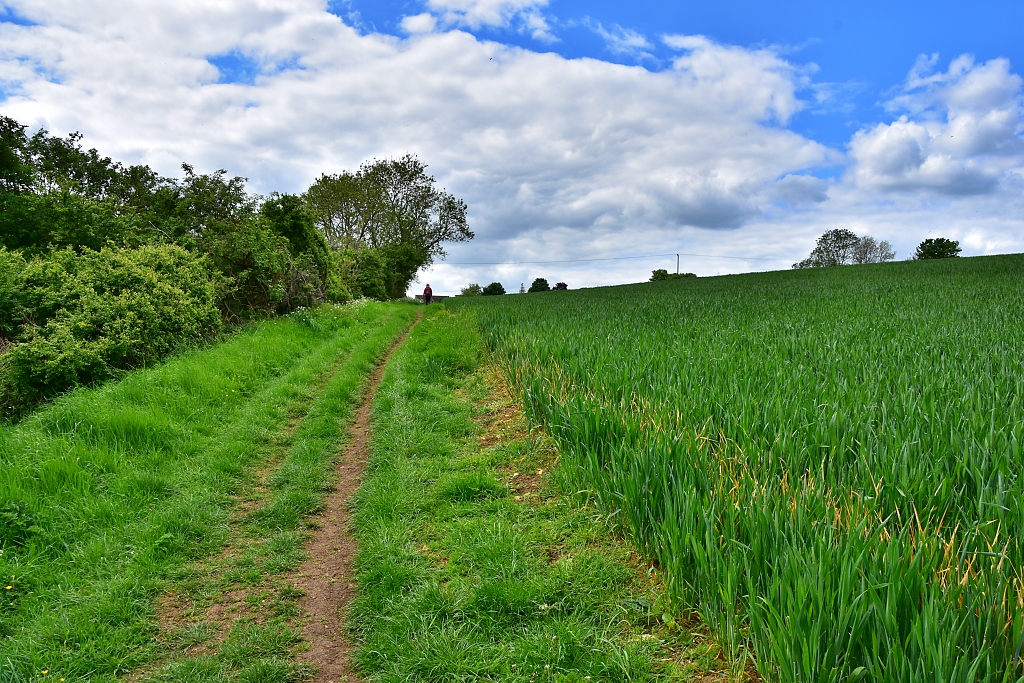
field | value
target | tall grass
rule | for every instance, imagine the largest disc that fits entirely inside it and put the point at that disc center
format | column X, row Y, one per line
column 106, row 492
column 826, row 464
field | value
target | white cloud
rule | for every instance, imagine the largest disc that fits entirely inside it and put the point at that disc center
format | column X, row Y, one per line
column 526, row 14
column 960, row 135
column 557, row 158
column 622, row 41
column 795, row 190
column 419, row 23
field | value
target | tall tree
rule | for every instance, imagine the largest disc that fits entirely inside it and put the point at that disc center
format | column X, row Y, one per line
column 842, row 247
column 867, row 250
column 391, row 206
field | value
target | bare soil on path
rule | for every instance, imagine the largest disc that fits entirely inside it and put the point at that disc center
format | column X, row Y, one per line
column 326, row 578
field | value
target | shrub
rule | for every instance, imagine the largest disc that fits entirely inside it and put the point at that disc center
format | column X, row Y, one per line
column 938, row 247
column 662, row 274
column 340, row 286
column 371, row 274
column 539, row 285
column 11, row 267
column 92, row 314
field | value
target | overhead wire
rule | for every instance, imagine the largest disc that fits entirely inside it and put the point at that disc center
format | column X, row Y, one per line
column 610, row 258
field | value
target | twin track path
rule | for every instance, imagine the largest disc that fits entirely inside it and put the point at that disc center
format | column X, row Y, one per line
column 326, row 578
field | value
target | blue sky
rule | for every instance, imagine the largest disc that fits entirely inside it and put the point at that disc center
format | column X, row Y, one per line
column 733, row 131
column 862, row 50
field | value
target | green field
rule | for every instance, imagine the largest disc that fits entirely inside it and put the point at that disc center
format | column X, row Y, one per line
column 826, row 464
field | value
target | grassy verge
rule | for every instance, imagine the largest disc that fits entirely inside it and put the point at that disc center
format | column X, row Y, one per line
column 472, row 566
column 121, row 493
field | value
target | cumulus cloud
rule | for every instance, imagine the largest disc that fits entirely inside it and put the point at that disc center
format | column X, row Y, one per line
column 796, row 190
column 557, row 158
column 960, row 133
column 419, row 23
column 526, row 14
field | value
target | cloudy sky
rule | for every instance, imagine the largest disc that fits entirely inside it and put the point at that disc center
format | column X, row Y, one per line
column 731, row 132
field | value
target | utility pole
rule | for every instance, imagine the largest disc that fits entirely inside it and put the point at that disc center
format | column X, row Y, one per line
column 677, row 264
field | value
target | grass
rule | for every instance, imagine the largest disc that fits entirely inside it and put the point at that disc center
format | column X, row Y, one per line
column 826, row 464
column 472, row 566
column 113, row 496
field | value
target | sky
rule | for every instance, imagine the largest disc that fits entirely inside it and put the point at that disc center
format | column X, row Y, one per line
column 591, row 141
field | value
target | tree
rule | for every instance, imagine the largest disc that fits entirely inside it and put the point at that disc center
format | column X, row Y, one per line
column 842, row 247
column 561, row 287
column 662, row 274
column 493, row 289
column 391, row 206
column 938, row 247
column 867, row 250
column 540, row 285
column 522, row 288
column 472, row 289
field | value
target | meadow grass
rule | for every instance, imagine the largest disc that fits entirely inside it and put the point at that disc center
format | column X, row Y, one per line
column 826, row 464
column 471, row 565
column 113, row 495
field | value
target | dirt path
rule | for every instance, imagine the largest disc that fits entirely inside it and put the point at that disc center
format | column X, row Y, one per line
column 326, row 577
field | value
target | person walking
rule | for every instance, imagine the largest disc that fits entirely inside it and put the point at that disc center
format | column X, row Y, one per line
column 427, row 294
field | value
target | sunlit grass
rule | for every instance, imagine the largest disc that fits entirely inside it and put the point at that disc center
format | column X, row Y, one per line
column 459, row 578
column 826, row 463
column 114, row 490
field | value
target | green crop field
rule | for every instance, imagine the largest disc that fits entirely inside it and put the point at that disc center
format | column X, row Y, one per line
column 826, row 464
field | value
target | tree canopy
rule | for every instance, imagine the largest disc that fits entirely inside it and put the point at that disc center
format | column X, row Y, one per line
column 938, row 247
column 842, row 247
column 391, row 206
column 539, row 285
column 105, row 266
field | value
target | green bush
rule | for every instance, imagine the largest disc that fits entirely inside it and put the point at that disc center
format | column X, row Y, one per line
column 339, row 285
column 371, row 275
column 92, row 314
column 539, row 285
column 939, row 247
column 11, row 266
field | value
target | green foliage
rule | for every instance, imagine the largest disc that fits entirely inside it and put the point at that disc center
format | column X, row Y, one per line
column 17, row 523
column 493, row 289
column 662, row 274
column 288, row 217
column 824, row 463
column 842, row 247
column 11, row 266
column 114, row 491
column 371, row 274
column 472, row 289
column 459, row 580
column 340, row 286
column 89, row 315
column 390, row 206
column 939, row 247
column 539, row 285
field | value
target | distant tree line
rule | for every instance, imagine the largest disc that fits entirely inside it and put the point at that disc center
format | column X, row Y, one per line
column 105, row 266
column 495, row 288
column 662, row 274
column 842, row 247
